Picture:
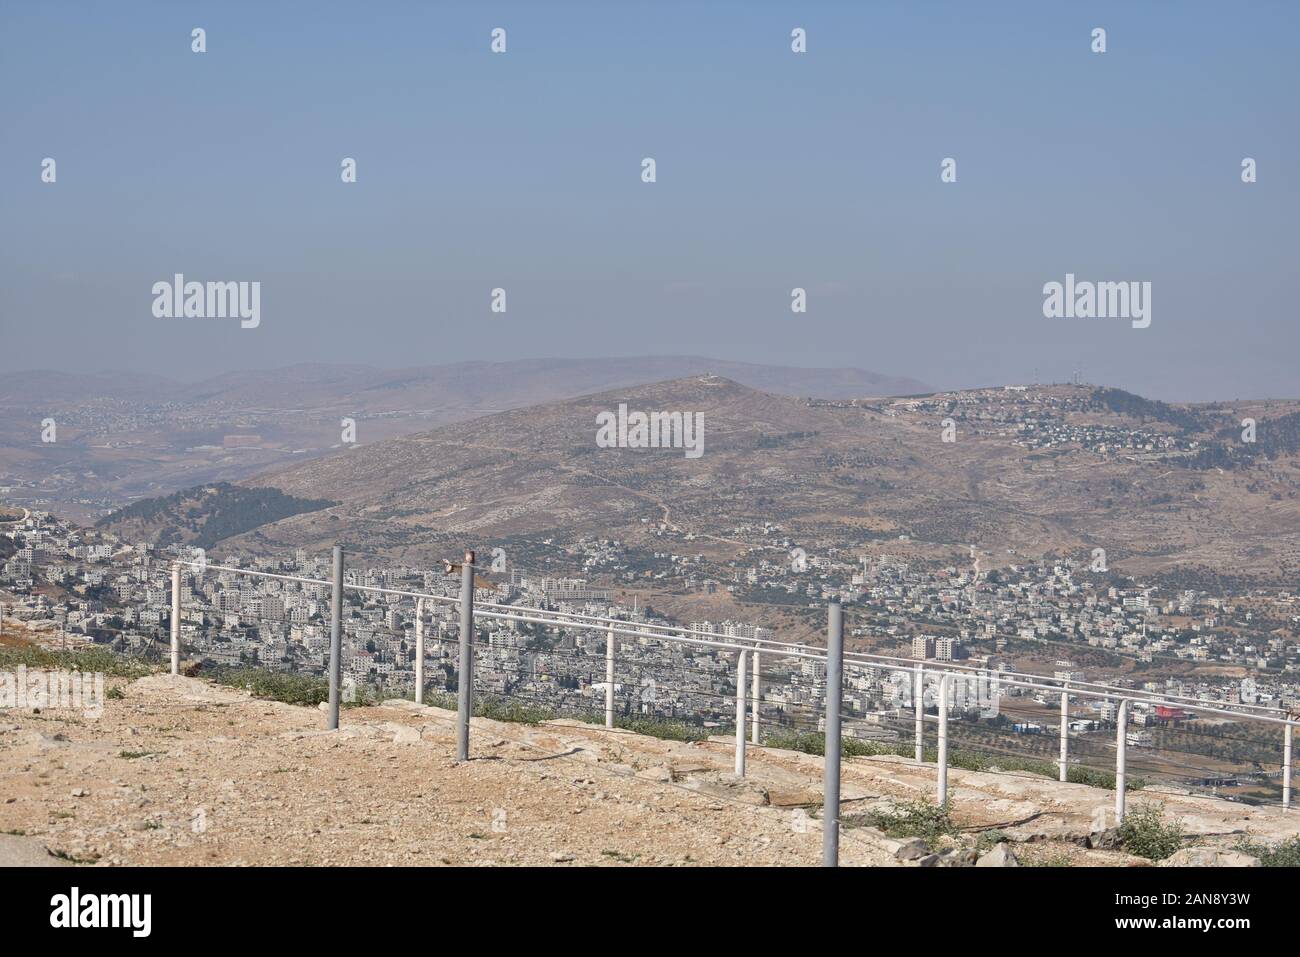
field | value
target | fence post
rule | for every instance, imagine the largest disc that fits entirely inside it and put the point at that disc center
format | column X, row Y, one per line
column 741, row 659
column 336, row 636
column 1121, row 753
column 609, row 677
column 176, row 619
column 1286, row 768
column 919, row 694
column 943, row 740
column 419, row 651
column 1065, row 731
column 831, row 762
column 753, row 716
column 465, row 692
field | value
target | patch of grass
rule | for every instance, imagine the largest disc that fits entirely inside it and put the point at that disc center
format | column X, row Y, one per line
column 1286, row 854
column 490, row 706
column 92, row 660
column 115, row 692
column 667, row 730
column 1145, row 832
column 132, row 755
column 503, row 709
column 302, row 690
column 1097, row 778
column 619, row 856
column 974, row 761
column 912, row 819
column 811, row 742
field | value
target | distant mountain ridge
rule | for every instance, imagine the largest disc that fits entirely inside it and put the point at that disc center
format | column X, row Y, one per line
column 123, row 436
column 514, row 382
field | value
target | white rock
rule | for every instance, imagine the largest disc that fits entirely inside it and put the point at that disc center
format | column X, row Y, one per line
column 1000, row 856
column 1209, row 857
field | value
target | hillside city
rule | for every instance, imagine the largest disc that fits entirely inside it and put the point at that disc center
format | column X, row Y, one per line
column 82, row 587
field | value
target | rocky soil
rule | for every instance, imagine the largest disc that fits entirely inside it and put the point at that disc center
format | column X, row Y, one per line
column 177, row 771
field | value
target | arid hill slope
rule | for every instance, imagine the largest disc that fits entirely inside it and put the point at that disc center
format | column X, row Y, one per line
column 832, row 475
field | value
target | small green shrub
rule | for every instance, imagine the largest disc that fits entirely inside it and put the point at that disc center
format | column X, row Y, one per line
column 1145, row 832
column 1286, row 854
column 913, row 819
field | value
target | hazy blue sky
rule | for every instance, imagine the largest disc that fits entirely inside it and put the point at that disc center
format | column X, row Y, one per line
column 775, row 170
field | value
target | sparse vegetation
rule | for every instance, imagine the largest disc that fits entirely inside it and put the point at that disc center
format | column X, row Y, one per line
column 810, row 742
column 668, row 730
column 1143, row 409
column 1146, row 833
column 912, row 819
column 987, row 840
column 1100, row 778
column 279, row 686
column 815, row 743
column 205, row 515
column 498, row 709
column 87, row 660
column 1285, row 854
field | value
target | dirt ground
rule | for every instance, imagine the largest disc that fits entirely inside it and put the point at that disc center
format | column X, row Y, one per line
column 177, row 771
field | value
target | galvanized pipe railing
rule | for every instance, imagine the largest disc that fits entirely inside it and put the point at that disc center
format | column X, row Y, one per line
column 743, row 647
column 788, row 649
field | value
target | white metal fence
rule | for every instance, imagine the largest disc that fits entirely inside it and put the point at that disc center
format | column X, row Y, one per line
column 920, row 686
